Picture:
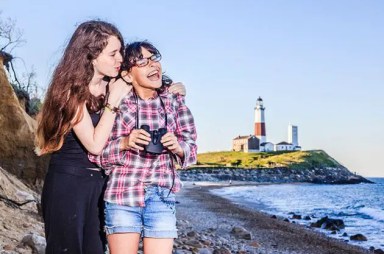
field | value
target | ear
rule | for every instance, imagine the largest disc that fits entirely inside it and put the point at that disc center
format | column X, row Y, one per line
column 127, row 76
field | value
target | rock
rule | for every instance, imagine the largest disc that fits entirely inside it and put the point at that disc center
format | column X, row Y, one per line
column 17, row 137
column 241, row 233
column 192, row 234
column 322, row 175
column 358, row 237
column 329, row 224
column 177, row 251
column 7, row 247
column 193, row 243
column 205, row 251
column 206, row 242
column 18, row 213
column 15, row 193
column 36, row 242
column 378, row 251
column 296, row 216
column 254, row 244
column 221, row 250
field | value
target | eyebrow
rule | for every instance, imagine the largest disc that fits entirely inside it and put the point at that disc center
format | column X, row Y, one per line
column 116, row 50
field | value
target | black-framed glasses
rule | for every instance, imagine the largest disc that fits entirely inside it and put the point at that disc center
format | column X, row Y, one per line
column 145, row 61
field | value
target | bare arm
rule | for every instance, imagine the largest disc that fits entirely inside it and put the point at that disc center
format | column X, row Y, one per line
column 95, row 138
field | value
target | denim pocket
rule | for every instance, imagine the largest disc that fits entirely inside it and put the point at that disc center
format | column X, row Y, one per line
column 167, row 197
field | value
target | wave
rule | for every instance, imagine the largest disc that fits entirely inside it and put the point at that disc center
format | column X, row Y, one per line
column 374, row 213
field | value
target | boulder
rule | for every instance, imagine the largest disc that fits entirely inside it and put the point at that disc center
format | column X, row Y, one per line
column 36, row 242
column 21, row 228
column 241, row 233
column 358, row 237
column 329, row 224
column 17, row 130
column 15, row 193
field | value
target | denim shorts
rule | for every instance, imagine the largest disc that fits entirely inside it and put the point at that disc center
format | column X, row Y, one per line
column 156, row 220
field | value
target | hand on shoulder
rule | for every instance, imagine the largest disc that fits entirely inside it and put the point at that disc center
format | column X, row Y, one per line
column 118, row 89
column 178, row 88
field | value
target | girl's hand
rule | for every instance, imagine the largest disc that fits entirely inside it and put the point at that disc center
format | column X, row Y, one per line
column 169, row 140
column 178, row 88
column 118, row 89
column 136, row 140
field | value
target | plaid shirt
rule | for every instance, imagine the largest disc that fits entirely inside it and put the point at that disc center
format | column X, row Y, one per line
column 131, row 170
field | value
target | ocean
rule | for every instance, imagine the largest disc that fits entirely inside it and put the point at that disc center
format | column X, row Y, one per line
column 360, row 206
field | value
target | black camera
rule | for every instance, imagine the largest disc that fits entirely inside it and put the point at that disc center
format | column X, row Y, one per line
column 154, row 146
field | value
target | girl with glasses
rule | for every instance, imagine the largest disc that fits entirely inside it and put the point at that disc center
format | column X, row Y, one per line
column 140, row 193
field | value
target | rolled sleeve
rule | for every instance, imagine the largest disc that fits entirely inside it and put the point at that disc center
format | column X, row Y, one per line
column 110, row 156
column 186, row 133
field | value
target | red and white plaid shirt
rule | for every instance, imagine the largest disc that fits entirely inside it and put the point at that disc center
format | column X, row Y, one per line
column 131, row 170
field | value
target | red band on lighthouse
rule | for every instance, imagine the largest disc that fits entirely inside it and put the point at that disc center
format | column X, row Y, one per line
column 260, row 129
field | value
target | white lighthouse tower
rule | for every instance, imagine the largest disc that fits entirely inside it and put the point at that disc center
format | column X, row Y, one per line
column 260, row 121
column 293, row 136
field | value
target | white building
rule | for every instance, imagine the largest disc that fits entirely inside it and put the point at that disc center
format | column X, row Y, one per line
column 267, row 147
column 293, row 135
column 284, row 146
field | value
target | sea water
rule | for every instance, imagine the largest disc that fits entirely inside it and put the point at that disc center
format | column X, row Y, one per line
column 360, row 206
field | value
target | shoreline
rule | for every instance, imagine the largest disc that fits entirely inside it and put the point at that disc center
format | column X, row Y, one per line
column 202, row 215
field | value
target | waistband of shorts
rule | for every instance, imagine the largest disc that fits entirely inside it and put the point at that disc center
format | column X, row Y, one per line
column 73, row 170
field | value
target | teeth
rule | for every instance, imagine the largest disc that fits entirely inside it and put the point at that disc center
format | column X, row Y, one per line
column 152, row 73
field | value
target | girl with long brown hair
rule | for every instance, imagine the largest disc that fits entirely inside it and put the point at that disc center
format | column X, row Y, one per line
column 73, row 185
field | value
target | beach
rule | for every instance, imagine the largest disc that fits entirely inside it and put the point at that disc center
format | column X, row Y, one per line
column 212, row 224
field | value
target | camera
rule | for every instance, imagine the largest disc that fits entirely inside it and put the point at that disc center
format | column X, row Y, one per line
column 154, row 146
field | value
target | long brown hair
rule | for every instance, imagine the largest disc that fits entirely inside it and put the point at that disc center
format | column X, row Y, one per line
column 68, row 89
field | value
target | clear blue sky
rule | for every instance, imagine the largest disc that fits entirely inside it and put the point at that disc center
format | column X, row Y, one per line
column 316, row 64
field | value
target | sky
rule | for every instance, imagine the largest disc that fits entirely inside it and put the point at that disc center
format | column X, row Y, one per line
column 316, row 64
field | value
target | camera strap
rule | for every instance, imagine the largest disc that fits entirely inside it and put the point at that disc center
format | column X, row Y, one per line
column 138, row 108
column 172, row 156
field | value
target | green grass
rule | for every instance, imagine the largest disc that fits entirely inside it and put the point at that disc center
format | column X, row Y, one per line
column 289, row 159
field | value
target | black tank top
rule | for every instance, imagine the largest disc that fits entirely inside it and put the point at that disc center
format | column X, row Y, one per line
column 73, row 153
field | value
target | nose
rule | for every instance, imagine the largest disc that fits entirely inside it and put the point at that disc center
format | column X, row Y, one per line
column 119, row 57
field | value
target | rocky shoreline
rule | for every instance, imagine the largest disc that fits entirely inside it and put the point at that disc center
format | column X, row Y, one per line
column 321, row 175
column 209, row 224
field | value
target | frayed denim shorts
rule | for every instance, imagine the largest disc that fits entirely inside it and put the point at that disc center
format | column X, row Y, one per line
column 156, row 220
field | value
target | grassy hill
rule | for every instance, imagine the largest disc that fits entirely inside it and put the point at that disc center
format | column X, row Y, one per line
column 289, row 159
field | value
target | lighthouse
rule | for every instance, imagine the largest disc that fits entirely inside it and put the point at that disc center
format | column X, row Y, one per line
column 293, row 135
column 260, row 121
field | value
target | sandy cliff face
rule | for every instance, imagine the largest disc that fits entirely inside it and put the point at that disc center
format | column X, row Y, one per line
column 20, row 220
column 17, row 137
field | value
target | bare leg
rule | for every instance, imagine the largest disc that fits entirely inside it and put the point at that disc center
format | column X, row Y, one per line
column 158, row 246
column 125, row 243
